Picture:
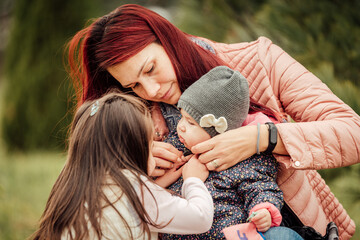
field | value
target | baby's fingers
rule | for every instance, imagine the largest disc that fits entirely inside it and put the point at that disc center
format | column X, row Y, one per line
column 262, row 220
column 263, row 227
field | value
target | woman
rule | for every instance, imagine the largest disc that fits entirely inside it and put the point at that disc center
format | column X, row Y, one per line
column 136, row 50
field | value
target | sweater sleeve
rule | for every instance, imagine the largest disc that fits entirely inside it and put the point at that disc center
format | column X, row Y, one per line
column 326, row 132
column 192, row 214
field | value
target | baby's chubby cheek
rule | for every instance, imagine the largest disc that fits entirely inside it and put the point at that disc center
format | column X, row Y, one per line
column 196, row 139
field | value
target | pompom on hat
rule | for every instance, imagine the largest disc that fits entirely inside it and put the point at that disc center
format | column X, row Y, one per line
column 218, row 101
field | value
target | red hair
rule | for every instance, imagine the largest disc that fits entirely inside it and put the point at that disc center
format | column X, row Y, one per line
column 121, row 34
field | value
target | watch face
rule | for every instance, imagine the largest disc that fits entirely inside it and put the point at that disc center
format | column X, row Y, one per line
column 272, row 137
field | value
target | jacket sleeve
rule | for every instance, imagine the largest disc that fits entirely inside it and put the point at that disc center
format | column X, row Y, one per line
column 326, row 132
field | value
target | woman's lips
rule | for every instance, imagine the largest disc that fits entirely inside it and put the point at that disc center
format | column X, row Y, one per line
column 167, row 95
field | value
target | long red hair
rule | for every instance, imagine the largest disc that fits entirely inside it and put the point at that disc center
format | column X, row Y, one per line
column 121, row 34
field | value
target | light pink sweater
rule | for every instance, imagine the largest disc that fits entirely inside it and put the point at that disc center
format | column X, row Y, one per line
column 326, row 133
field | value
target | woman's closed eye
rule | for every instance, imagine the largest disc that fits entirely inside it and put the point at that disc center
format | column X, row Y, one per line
column 151, row 69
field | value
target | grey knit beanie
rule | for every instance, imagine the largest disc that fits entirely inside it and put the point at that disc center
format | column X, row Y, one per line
column 222, row 92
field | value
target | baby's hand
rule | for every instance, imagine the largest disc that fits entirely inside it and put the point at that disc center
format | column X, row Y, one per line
column 194, row 168
column 262, row 220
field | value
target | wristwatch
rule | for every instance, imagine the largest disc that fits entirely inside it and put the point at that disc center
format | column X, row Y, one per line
column 272, row 137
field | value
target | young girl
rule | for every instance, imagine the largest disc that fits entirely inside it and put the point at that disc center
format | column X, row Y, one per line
column 249, row 186
column 104, row 192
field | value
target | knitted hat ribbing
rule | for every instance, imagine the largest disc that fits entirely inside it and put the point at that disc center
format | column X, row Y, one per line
column 222, row 92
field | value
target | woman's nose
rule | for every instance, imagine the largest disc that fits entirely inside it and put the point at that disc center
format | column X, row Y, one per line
column 151, row 88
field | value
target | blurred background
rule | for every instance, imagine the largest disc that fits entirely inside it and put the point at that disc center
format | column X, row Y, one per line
column 36, row 96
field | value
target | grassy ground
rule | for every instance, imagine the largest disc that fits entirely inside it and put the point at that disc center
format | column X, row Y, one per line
column 26, row 180
column 25, row 183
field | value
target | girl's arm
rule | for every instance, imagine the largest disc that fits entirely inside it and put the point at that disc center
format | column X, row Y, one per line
column 191, row 214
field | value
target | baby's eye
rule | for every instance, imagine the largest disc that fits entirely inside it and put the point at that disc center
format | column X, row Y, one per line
column 191, row 123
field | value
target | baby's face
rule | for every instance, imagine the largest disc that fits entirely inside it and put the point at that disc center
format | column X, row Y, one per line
column 190, row 132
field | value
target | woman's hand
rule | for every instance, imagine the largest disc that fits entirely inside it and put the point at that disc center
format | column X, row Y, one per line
column 161, row 129
column 194, row 168
column 165, row 156
column 229, row 148
column 262, row 220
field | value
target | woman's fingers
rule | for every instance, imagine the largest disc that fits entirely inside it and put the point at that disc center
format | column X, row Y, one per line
column 213, row 165
column 203, row 147
column 166, row 152
column 228, row 148
column 161, row 163
column 165, row 156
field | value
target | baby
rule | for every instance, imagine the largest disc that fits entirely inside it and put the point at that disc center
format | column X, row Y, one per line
column 218, row 102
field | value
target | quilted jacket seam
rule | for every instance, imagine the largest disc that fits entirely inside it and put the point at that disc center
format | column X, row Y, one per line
column 340, row 148
column 324, row 150
column 307, row 145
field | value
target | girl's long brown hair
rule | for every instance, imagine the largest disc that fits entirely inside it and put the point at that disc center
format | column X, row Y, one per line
column 116, row 137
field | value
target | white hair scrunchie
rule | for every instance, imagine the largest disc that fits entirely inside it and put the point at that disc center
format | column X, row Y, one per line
column 209, row 120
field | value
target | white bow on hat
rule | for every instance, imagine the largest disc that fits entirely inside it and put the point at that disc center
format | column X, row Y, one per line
column 209, row 120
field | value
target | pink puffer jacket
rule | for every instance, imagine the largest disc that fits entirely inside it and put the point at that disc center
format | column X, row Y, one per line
column 326, row 135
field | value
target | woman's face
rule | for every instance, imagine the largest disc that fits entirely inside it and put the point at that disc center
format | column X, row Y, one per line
column 149, row 74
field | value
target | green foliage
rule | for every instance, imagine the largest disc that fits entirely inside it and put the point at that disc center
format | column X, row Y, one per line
column 37, row 91
column 322, row 35
column 345, row 90
column 317, row 31
column 217, row 20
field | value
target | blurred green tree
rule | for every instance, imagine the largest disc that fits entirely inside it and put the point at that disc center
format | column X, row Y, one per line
column 322, row 35
column 37, row 91
column 318, row 31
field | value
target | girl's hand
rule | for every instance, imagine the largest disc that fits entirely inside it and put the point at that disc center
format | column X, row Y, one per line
column 165, row 156
column 194, row 168
column 161, row 129
column 171, row 175
column 229, row 148
column 262, row 220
